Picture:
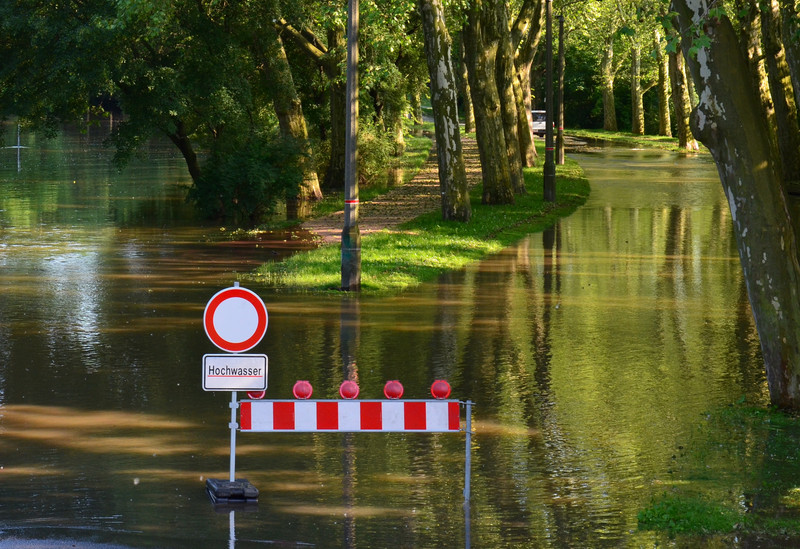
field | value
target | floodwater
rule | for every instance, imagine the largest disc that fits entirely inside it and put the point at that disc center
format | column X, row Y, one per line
column 590, row 351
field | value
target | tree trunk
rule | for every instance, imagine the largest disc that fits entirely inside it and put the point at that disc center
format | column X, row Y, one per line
column 181, row 140
column 664, row 122
column 463, row 81
column 330, row 59
column 452, row 173
column 508, row 100
column 637, row 102
column 416, row 113
column 335, row 174
column 526, row 34
column 781, row 91
column 608, row 74
column 729, row 121
column 790, row 29
column 680, row 101
column 481, row 57
column 292, row 123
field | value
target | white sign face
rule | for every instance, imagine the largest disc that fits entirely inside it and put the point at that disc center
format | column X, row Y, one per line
column 235, row 319
column 234, row 372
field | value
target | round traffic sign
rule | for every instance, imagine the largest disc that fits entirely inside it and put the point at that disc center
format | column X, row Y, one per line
column 235, row 319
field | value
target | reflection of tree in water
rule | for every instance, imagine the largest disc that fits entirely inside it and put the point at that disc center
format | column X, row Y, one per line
column 349, row 330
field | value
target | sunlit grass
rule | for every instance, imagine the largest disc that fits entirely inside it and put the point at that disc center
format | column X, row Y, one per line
column 736, row 477
column 427, row 246
column 627, row 138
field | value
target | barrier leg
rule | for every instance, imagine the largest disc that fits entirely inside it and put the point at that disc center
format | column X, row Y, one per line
column 468, row 453
column 233, row 427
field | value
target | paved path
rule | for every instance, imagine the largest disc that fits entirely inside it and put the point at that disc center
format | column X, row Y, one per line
column 401, row 204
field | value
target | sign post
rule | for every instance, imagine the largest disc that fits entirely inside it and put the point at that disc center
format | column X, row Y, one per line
column 235, row 320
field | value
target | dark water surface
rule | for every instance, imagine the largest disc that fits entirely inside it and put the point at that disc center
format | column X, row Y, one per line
column 591, row 352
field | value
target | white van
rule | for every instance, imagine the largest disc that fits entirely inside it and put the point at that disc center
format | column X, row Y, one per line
column 539, row 122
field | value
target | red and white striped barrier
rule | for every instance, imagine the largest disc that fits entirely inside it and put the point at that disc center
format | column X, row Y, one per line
column 348, row 416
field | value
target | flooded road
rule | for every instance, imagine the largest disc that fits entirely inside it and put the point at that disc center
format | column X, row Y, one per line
column 591, row 352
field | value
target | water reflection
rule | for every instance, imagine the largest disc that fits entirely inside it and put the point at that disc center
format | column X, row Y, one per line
column 590, row 350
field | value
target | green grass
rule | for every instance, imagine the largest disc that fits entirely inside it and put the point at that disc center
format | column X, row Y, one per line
column 416, row 153
column 650, row 141
column 736, row 476
column 429, row 246
column 687, row 515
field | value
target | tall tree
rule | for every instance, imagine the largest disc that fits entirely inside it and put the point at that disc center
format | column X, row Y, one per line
column 506, row 84
column 662, row 62
column 729, row 120
column 328, row 56
column 680, row 100
column 483, row 42
column 292, row 123
column 526, row 33
column 452, row 173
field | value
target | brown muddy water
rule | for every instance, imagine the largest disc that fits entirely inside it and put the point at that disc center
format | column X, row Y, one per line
column 591, row 351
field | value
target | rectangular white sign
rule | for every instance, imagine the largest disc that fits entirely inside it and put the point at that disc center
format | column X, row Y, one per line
column 234, row 372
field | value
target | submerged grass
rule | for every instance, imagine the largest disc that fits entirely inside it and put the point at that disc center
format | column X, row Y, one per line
column 739, row 479
column 631, row 140
column 428, row 246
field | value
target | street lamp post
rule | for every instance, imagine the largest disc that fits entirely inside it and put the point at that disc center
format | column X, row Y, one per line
column 351, row 235
column 560, row 117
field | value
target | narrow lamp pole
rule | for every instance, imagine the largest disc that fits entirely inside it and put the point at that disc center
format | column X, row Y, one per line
column 560, row 117
column 549, row 163
column 351, row 235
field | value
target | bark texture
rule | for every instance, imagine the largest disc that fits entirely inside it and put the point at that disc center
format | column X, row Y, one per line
column 481, row 50
column 452, row 174
column 506, row 78
column 329, row 59
column 664, row 121
column 607, row 75
column 637, row 100
column 292, row 123
column 680, row 101
column 730, row 122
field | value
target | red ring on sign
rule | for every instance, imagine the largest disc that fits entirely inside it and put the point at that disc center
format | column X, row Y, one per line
column 216, row 301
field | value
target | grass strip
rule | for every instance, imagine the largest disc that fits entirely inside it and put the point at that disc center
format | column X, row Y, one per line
column 631, row 140
column 428, row 246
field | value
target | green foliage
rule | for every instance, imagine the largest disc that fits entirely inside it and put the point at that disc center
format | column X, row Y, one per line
column 687, row 515
column 244, row 181
column 374, row 154
column 429, row 246
column 743, row 460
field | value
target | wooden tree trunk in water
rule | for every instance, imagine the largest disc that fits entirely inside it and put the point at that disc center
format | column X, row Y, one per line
column 681, row 102
column 452, row 174
column 292, row 123
column 729, row 121
column 608, row 75
column 664, row 122
column 637, row 101
column 481, row 57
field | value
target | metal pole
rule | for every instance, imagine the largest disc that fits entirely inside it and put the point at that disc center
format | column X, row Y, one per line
column 468, row 453
column 560, row 117
column 232, row 529
column 233, row 427
column 351, row 235
column 549, row 163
